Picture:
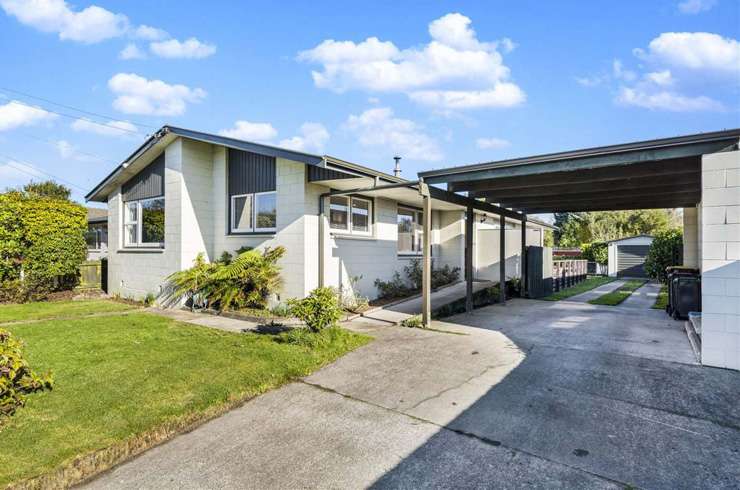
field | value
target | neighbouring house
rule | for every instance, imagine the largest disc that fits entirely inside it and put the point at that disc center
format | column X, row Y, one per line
column 627, row 256
column 97, row 233
column 185, row 192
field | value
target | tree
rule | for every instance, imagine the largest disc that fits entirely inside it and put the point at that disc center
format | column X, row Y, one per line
column 665, row 251
column 48, row 189
column 577, row 229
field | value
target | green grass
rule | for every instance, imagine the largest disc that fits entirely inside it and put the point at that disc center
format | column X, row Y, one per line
column 620, row 294
column 587, row 285
column 58, row 309
column 124, row 382
column 662, row 300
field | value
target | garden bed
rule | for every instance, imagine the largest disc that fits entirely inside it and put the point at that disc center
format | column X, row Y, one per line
column 583, row 286
column 124, row 383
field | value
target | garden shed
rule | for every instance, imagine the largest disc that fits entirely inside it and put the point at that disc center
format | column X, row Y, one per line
column 627, row 256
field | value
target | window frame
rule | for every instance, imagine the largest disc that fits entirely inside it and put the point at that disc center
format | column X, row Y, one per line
column 138, row 223
column 349, row 230
column 417, row 233
column 253, row 228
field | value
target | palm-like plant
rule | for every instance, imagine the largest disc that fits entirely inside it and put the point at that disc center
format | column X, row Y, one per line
column 246, row 281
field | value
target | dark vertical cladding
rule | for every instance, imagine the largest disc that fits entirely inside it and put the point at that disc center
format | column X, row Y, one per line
column 147, row 183
column 250, row 172
column 317, row 174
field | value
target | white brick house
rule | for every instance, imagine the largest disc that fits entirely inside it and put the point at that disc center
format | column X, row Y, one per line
column 185, row 192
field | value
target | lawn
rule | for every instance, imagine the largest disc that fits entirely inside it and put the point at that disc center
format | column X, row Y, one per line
column 587, row 285
column 124, row 382
column 662, row 300
column 59, row 309
column 620, row 294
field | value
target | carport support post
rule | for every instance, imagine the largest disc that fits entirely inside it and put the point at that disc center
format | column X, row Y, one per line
column 502, row 259
column 426, row 272
column 469, row 216
column 523, row 256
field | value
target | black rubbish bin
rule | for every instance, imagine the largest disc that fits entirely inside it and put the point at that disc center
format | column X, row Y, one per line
column 684, row 291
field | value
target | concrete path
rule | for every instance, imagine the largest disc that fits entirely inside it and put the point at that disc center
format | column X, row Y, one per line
column 532, row 394
column 596, row 292
column 205, row 319
column 644, row 298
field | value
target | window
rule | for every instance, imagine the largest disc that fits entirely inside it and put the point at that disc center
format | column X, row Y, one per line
column 254, row 212
column 410, row 231
column 97, row 236
column 143, row 223
column 350, row 214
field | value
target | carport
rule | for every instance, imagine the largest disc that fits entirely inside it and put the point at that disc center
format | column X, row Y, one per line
column 699, row 173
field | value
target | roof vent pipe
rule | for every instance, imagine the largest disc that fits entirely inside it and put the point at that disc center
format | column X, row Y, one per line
column 397, row 168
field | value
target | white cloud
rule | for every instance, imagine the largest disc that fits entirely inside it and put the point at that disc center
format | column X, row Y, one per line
column 313, row 136
column 492, row 143
column 378, row 127
column 694, row 51
column 15, row 174
column 65, row 149
column 662, row 78
column 90, row 25
column 138, row 95
column 191, row 48
column 695, row 6
column 149, row 33
column 621, row 73
column 454, row 69
column 15, row 114
column 503, row 94
column 131, row 52
column 593, row 81
column 667, row 101
column 111, row 128
column 251, row 131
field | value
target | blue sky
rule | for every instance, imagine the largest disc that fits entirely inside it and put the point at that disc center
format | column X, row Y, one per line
column 439, row 83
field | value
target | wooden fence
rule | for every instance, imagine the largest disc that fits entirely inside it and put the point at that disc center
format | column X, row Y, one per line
column 567, row 273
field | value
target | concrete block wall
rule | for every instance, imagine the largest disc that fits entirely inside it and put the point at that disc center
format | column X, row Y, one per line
column 691, row 237
column 136, row 273
column 720, row 259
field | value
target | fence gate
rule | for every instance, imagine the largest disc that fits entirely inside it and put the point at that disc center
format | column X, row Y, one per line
column 536, row 283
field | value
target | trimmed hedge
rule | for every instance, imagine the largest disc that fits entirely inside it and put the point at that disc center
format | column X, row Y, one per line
column 42, row 240
column 666, row 250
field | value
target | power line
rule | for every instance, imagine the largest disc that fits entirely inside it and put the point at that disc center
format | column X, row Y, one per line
column 14, row 162
column 96, row 114
column 52, row 142
column 107, row 126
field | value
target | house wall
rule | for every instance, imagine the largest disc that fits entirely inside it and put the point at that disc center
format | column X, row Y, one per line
column 720, row 230
column 690, row 237
column 486, row 245
column 135, row 273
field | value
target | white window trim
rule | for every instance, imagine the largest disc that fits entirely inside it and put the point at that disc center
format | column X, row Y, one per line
column 417, row 213
column 138, row 223
column 349, row 229
column 253, row 228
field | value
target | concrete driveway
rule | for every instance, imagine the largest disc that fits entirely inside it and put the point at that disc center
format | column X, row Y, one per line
column 532, row 394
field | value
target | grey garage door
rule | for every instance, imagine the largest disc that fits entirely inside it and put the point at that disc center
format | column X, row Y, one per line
column 631, row 260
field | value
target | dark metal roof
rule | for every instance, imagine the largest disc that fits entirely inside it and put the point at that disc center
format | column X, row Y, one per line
column 709, row 137
column 663, row 173
column 258, row 148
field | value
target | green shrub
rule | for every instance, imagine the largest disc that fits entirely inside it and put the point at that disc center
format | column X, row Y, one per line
column 243, row 282
column 16, row 378
column 665, row 251
column 42, row 239
column 596, row 252
column 413, row 322
column 349, row 297
column 318, row 310
column 17, row 291
column 395, row 288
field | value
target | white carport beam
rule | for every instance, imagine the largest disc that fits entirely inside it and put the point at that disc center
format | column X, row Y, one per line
column 426, row 290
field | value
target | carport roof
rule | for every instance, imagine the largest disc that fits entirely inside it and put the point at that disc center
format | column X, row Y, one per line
column 660, row 173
